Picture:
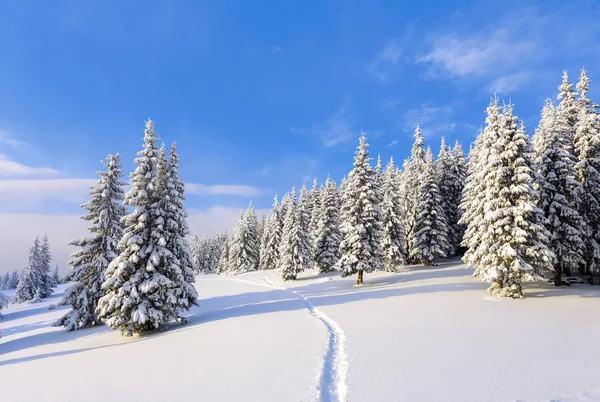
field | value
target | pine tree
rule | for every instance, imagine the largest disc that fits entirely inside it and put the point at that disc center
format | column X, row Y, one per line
column 513, row 243
column 451, row 175
column 90, row 261
column 4, row 281
column 567, row 111
column 559, row 189
column 14, row 280
column 223, row 263
column 411, row 180
column 315, row 207
column 456, row 188
column 55, row 276
column 29, row 280
column 269, row 251
column 327, row 242
column 292, row 261
column 143, row 284
column 430, row 235
column 177, row 230
column 474, row 193
column 45, row 286
column 262, row 224
column 195, row 246
column 393, row 243
column 244, row 252
column 588, row 174
column 361, row 227
column 3, row 304
column 306, row 236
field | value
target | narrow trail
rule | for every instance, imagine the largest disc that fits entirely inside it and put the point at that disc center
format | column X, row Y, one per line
column 332, row 385
column 333, row 380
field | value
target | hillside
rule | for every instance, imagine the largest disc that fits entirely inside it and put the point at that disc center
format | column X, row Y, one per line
column 422, row 334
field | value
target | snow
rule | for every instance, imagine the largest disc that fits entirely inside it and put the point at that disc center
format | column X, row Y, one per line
column 425, row 333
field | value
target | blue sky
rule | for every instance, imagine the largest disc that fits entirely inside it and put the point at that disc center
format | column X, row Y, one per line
column 259, row 95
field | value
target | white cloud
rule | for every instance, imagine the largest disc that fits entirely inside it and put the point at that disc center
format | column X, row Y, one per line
column 295, row 168
column 9, row 168
column 223, row 189
column 387, row 58
column 72, row 190
column 334, row 130
column 6, row 138
column 431, row 119
column 510, row 82
column 392, row 144
column 479, row 55
column 17, row 232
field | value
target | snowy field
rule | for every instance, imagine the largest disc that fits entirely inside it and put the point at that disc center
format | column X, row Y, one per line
column 425, row 334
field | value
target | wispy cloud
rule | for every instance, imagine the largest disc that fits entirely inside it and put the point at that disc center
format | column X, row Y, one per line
column 273, row 48
column 70, row 190
column 504, row 55
column 392, row 144
column 9, row 168
column 391, row 54
column 432, row 119
column 336, row 129
column 223, row 189
column 6, row 138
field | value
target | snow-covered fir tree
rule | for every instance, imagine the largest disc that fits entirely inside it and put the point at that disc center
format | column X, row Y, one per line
column 393, row 243
column 14, row 280
column 195, row 247
column 459, row 168
column 262, row 224
column 175, row 218
column 315, row 207
column 361, row 225
column 3, row 303
column 566, row 113
column 45, row 288
column 223, row 263
column 269, row 250
column 56, row 276
column 587, row 148
column 306, row 235
column 411, row 180
column 244, row 250
column 513, row 243
column 327, row 241
column 292, row 261
column 430, row 234
column 29, row 280
column 4, row 281
column 451, row 176
column 144, row 284
column 559, row 190
column 474, row 193
column 90, row 261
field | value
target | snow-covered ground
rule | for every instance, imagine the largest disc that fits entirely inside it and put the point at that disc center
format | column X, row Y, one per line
column 425, row 334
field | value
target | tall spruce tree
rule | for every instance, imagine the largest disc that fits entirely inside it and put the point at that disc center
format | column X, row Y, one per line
column 244, row 251
column 513, row 243
column 14, row 280
column 143, row 283
column 459, row 168
column 45, row 287
column 29, row 280
column 393, row 243
column 315, row 207
column 430, row 234
column 172, row 204
column 90, row 261
column 306, row 235
column 4, row 282
column 559, row 189
column 269, row 251
column 327, row 241
column 223, row 263
column 292, row 261
column 362, row 226
column 566, row 114
column 445, row 162
column 411, row 180
column 588, row 174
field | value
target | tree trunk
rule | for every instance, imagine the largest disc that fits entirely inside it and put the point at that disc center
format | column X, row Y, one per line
column 558, row 274
column 359, row 280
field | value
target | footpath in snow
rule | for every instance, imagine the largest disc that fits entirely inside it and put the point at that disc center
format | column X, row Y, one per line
column 423, row 334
